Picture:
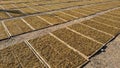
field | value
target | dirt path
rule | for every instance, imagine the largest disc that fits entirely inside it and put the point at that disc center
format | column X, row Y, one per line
column 108, row 59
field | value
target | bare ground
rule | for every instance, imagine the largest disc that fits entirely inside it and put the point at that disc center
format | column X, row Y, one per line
column 108, row 59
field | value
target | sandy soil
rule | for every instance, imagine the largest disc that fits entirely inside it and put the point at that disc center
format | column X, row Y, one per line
column 108, row 59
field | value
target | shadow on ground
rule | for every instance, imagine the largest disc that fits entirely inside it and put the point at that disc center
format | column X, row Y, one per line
column 11, row 11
